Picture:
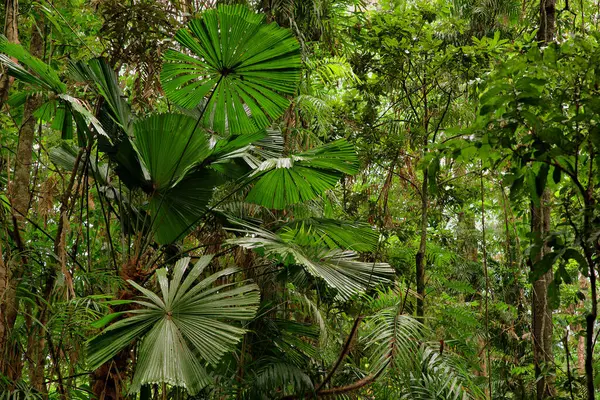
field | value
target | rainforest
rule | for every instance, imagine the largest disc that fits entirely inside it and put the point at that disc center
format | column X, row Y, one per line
column 299, row 199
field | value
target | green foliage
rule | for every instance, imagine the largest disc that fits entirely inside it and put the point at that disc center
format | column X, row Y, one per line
column 319, row 149
column 245, row 68
column 339, row 269
column 301, row 177
column 185, row 322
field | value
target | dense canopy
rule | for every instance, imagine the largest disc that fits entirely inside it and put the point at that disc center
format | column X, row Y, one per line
column 299, row 199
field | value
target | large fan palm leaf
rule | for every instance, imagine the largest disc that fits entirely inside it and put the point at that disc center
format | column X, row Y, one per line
column 286, row 181
column 341, row 270
column 241, row 66
column 181, row 329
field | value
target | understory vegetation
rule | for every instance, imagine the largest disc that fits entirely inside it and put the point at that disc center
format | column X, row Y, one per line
column 299, row 199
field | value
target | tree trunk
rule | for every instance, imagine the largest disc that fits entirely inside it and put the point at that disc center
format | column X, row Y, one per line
column 583, row 287
column 11, row 31
column 547, row 28
column 420, row 258
column 540, row 225
column 20, row 196
column 541, row 311
column 592, row 251
column 421, row 254
column 7, row 292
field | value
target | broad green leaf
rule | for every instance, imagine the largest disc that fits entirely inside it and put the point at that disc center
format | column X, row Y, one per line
column 178, row 209
column 286, row 181
column 181, row 330
column 33, row 71
column 169, row 145
column 240, row 72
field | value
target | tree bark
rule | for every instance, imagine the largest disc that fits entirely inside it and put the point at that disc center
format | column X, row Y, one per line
column 592, row 251
column 11, row 31
column 541, row 311
column 421, row 254
column 547, row 27
column 20, row 196
column 583, row 286
column 542, row 327
column 7, row 292
column 420, row 257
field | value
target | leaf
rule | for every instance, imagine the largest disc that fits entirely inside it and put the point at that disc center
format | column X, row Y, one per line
column 332, row 233
column 342, row 271
column 241, row 66
column 554, row 295
column 531, row 181
column 490, row 95
column 302, row 177
column 541, row 179
column 339, row 269
column 105, row 82
column 169, row 145
column 63, row 156
column 394, row 338
column 571, row 253
column 278, row 374
column 86, row 116
column 190, row 323
column 178, row 209
column 544, row 265
column 556, row 175
column 105, row 320
column 37, row 74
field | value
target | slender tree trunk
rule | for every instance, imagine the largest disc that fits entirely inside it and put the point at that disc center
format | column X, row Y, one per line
column 11, row 31
column 466, row 228
column 420, row 257
column 542, row 327
column 590, row 248
column 421, row 254
column 547, row 27
column 7, row 292
column 590, row 321
column 21, row 201
column 541, row 311
column 20, row 196
column 583, row 286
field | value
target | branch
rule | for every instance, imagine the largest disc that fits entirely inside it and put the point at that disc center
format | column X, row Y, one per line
column 343, row 354
column 353, row 386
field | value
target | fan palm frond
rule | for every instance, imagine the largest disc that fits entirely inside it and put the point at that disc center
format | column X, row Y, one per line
column 359, row 237
column 341, row 270
column 186, row 323
column 283, row 377
column 286, row 181
column 243, row 66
